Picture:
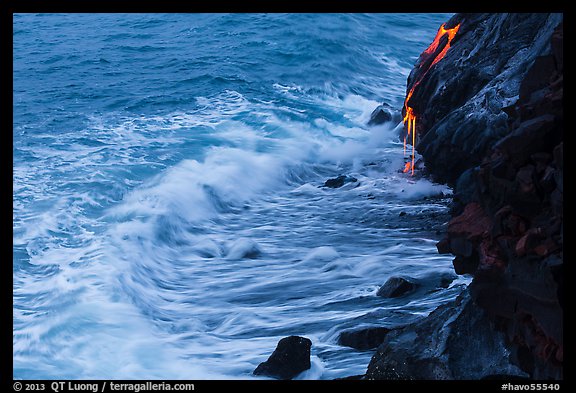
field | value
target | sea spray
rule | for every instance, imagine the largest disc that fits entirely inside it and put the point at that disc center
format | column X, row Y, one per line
column 169, row 216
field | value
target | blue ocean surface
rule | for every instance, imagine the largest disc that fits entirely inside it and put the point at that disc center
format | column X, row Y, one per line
column 169, row 219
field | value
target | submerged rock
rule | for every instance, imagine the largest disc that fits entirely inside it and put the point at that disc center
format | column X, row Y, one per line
column 290, row 358
column 244, row 248
column 363, row 339
column 437, row 280
column 396, row 287
column 339, row 181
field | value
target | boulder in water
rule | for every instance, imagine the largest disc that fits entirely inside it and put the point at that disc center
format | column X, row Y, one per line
column 396, row 287
column 339, row 181
column 383, row 114
column 290, row 358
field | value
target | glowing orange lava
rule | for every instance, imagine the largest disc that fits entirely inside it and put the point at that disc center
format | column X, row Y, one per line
column 434, row 45
column 407, row 167
column 410, row 116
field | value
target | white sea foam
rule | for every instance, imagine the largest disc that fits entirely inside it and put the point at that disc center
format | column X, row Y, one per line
column 314, row 372
column 422, row 188
column 138, row 200
column 229, row 246
column 322, row 254
column 244, row 248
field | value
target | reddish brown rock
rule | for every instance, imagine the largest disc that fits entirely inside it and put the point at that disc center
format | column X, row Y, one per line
column 507, row 161
column 527, row 242
column 491, row 256
column 472, row 224
column 546, row 248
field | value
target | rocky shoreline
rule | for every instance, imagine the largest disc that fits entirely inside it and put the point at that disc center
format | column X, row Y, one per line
column 490, row 124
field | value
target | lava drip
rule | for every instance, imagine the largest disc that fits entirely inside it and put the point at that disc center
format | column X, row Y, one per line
column 410, row 115
column 410, row 121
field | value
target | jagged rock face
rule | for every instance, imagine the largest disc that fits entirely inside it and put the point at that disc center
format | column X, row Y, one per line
column 456, row 341
column 520, row 186
column 459, row 100
column 363, row 339
column 507, row 225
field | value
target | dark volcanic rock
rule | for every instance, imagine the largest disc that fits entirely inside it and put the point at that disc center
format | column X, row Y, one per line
column 456, row 341
column 504, row 377
column 290, row 358
column 396, row 287
column 351, row 377
column 382, row 114
column 437, row 280
column 362, row 339
column 379, row 115
column 490, row 121
column 339, row 181
column 445, row 281
column 459, row 101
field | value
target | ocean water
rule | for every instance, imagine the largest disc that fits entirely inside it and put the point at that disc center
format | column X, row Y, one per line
column 169, row 219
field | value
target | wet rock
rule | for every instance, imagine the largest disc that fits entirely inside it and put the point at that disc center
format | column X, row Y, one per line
column 445, row 281
column 382, row 114
column 456, row 341
column 396, row 287
column 443, row 246
column 339, row 181
column 490, row 123
column 351, row 377
column 363, row 339
column 379, row 116
column 290, row 358
column 437, row 280
column 459, row 100
column 465, row 265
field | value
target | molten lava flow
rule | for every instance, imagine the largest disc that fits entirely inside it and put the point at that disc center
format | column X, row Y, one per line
column 434, row 45
column 407, row 167
column 410, row 116
column 410, row 121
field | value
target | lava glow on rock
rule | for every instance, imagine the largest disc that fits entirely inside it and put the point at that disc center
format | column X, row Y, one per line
column 410, row 116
